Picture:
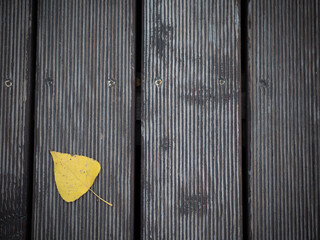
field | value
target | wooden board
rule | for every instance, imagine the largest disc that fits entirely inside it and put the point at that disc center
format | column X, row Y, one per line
column 82, row 46
column 15, row 116
column 191, row 183
column 284, row 97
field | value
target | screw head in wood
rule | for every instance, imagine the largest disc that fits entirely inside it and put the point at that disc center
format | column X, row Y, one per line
column 158, row 82
column 50, row 82
column 8, row 83
column 111, row 82
column 222, row 82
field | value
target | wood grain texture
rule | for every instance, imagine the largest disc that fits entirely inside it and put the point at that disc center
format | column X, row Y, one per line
column 190, row 125
column 82, row 45
column 284, row 120
column 15, row 110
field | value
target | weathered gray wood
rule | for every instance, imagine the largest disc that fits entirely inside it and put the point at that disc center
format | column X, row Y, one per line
column 15, row 110
column 284, row 96
column 81, row 46
column 191, row 164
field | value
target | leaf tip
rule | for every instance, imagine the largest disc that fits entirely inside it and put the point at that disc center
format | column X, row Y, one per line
column 52, row 152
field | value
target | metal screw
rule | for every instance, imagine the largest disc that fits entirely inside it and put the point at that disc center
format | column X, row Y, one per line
column 222, row 81
column 111, row 82
column 158, row 82
column 8, row 83
column 49, row 82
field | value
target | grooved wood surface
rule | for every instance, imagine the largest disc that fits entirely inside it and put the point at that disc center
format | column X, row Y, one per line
column 284, row 119
column 82, row 45
column 191, row 183
column 15, row 94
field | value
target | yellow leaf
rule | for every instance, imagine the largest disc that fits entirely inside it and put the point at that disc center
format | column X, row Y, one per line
column 74, row 175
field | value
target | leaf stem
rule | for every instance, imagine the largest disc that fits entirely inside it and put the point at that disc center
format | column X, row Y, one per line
column 100, row 198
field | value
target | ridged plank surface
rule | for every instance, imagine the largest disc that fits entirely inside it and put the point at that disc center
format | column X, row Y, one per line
column 15, row 109
column 284, row 96
column 191, row 163
column 81, row 46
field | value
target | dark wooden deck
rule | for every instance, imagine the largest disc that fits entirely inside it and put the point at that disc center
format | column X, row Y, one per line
column 191, row 168
column 219, row 138
column 284, row 119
